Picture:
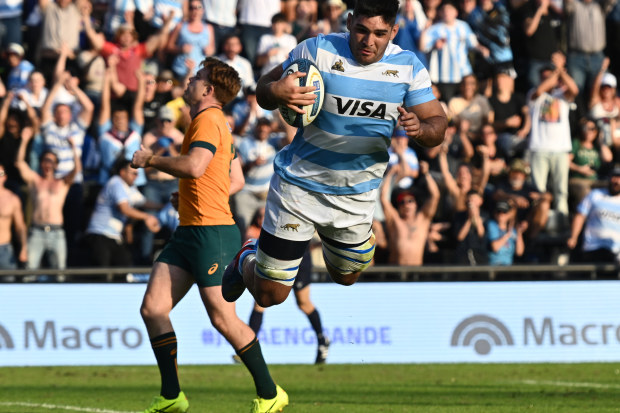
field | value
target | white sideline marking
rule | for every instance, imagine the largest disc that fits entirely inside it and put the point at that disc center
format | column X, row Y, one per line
column 571, row 384
column 58, row 406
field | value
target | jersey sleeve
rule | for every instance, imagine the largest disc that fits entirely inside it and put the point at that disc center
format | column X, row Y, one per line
column 205, row 135
column 304, row 50
column 420, row 90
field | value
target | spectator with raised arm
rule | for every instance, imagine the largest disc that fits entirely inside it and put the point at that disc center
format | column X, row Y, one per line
column 604, row 105
column 407, row 226
column 47, row 194
column 191, row 39
column 120, row 134
column 58, row 125
column 531, row 205
column 130, row 52
column 505, row 235
column 550, row 139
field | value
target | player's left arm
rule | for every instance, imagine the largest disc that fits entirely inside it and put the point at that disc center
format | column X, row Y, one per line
column 191, row 166
column 237, row 180
column 425, row 123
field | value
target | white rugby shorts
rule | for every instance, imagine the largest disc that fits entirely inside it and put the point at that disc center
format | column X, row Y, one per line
column 294, row 213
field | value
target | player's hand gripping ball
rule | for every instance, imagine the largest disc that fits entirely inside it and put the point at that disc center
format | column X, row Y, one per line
column 313, row 78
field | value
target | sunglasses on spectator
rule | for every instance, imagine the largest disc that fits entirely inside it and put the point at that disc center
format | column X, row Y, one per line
column 588, row 128
column 51, row 160
column 195, row 7
column 406, row 201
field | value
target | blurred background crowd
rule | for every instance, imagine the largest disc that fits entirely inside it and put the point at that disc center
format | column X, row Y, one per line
column 529, row 87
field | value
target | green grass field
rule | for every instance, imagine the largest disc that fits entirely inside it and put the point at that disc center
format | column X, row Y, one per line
column 330, row 388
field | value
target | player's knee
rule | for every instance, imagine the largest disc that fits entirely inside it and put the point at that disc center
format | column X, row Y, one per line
column 269, row 293
column 269, row 298
column 343, row 279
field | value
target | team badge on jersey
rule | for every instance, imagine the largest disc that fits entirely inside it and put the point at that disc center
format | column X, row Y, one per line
column 393, row 73
column 339, row 66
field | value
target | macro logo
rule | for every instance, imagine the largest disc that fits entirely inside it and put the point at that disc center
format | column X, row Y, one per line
column 6, row 341
column 483, row 332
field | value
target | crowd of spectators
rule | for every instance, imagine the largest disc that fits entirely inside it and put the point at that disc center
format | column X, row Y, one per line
column 529, row 87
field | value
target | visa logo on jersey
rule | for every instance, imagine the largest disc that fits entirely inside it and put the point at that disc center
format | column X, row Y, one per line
column 354, row 107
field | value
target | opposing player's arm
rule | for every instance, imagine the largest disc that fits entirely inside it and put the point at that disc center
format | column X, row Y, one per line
column 272, row 91
column 425, row 123
column 191, row 166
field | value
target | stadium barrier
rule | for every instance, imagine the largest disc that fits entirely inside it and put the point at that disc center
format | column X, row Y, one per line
column 375, row 273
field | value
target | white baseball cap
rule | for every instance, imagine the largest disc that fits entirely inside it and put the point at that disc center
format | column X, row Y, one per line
column 609, row 80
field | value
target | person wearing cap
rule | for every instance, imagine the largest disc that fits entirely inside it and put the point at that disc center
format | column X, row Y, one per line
column 407, row 224
column 20, row 67
column 598, row 217
column 603, row 107
column 531, row 205
column 505, row 235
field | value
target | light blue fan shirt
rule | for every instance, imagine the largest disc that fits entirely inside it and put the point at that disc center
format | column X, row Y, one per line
column 345, row 150
column 602, row 229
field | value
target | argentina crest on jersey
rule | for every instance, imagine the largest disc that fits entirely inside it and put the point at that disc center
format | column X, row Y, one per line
column 344, row 151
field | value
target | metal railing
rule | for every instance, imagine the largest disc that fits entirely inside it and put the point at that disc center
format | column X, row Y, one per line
column 377, row 273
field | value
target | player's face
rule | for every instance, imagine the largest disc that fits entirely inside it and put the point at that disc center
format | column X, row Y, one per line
column 370, row 37
column 196, row 88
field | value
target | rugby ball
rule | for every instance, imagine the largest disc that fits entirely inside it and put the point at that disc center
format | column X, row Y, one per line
column 313, row 78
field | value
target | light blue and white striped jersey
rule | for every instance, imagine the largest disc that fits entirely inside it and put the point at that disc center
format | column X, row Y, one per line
column 55, row 139
column 257, row 178
column 602, row 228
column 344, row 151
column 111, row 147
column 450, row 63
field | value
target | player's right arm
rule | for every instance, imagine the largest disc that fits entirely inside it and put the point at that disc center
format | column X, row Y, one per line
column 271, row 91
column 192, row 166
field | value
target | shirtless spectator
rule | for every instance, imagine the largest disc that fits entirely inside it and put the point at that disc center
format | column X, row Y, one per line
column 408, row 227
column 10, row 216
column 48, row 195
